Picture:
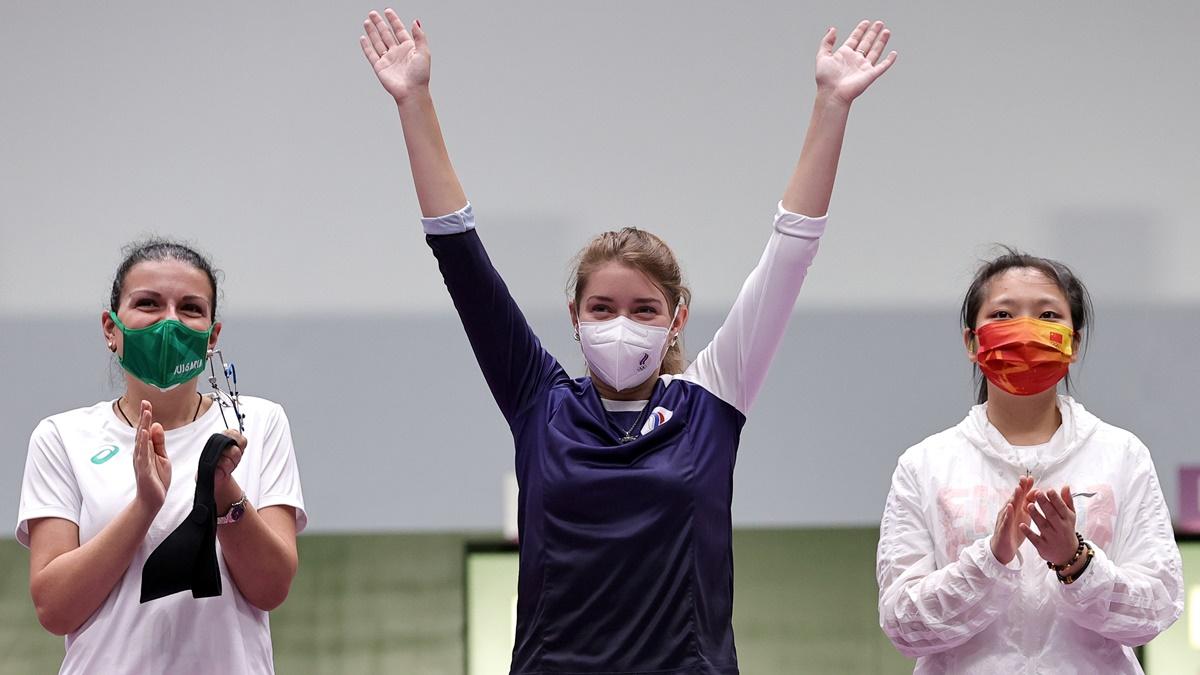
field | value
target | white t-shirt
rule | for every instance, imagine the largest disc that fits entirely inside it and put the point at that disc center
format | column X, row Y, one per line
column 80, row 469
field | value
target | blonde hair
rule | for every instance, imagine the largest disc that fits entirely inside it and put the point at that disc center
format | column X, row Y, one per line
column 646, row 253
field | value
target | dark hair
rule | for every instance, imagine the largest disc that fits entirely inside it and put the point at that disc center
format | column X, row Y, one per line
column 646, row 253
column 1062, row 276
column 157, row 248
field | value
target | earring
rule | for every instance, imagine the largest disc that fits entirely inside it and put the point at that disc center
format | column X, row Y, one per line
column 111, row 346
column 577, row 336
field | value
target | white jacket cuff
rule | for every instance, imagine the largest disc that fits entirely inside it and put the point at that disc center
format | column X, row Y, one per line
column 797, row 225
column 452, row 223
column 981, row 553
column 1095, row 580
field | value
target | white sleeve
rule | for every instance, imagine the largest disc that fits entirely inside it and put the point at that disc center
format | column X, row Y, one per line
column 452, row 223
column 1135, row 591
column 734, row 365
column 49, row 489
column 280, row 476
column 923, row 609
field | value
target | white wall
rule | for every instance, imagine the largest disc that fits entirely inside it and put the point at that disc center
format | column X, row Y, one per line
column 258, row 131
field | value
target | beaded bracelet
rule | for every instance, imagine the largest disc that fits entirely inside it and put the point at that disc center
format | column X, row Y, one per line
column 1072, row 578
column 1074, row 559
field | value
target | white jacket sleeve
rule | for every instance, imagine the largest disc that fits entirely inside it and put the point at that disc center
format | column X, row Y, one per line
column 734, row 365
column 923, row 609
column 1134, row 591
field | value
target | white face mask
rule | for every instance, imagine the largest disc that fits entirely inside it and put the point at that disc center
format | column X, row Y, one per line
column 623, row 352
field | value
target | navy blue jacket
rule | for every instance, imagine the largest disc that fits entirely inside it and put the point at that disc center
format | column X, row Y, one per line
column 626, row 559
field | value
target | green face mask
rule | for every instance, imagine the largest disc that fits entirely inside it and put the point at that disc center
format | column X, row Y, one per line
column 165, row 354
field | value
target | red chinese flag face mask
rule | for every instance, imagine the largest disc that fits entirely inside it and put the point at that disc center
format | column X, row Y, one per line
column 1024, row 356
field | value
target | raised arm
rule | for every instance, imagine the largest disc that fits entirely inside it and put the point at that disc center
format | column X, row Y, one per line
column 512, row 359
column 735, row 365
column 842, row 75
column 401, row 61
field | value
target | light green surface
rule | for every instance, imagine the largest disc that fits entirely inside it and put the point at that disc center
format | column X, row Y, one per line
column 804, row 603
column 491, row 611
column 24, row 646
column 1177, row 650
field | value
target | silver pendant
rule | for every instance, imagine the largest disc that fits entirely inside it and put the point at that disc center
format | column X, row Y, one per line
column 627, row 438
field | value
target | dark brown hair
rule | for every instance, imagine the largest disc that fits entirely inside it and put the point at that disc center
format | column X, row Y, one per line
column 157, row 248
column 1077, row 295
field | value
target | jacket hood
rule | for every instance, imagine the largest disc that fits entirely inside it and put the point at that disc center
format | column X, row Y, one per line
column 1077, row 426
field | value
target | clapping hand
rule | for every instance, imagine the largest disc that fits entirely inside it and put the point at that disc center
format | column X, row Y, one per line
column 1013, row 521
column 151, row 467
column 1054, row 514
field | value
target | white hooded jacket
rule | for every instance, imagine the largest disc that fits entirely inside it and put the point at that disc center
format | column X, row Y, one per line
column 945, row 599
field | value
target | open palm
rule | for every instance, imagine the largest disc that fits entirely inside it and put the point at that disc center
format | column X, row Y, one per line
column 847, row 71
column 1008, row 535
column 400, row 58
column 151, row 467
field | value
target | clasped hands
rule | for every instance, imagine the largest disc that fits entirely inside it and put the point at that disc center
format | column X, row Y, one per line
column 1052, row 511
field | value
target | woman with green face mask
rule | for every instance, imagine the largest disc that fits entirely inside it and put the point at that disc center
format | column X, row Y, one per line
column 106, row 484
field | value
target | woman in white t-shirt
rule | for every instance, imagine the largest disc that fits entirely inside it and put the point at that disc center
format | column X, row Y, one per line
column 1031, row 537
column 105, row 484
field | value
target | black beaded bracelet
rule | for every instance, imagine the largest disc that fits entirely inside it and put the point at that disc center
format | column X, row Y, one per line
column 1072, row 578
column 1074, row 559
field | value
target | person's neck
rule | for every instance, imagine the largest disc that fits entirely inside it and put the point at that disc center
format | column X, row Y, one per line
column 172, row 409
column 1024, row 420
column 639, row 393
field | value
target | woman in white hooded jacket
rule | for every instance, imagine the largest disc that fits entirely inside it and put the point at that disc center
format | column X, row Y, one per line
column 1032, row 537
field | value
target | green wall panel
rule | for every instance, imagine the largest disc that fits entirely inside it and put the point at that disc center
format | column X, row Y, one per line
column 393, row 603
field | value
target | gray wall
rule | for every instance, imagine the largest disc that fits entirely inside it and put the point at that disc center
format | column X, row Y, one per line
column 395, row 428
column 259, row 132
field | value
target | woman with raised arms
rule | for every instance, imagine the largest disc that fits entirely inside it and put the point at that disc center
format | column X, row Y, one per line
column 626, row 474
